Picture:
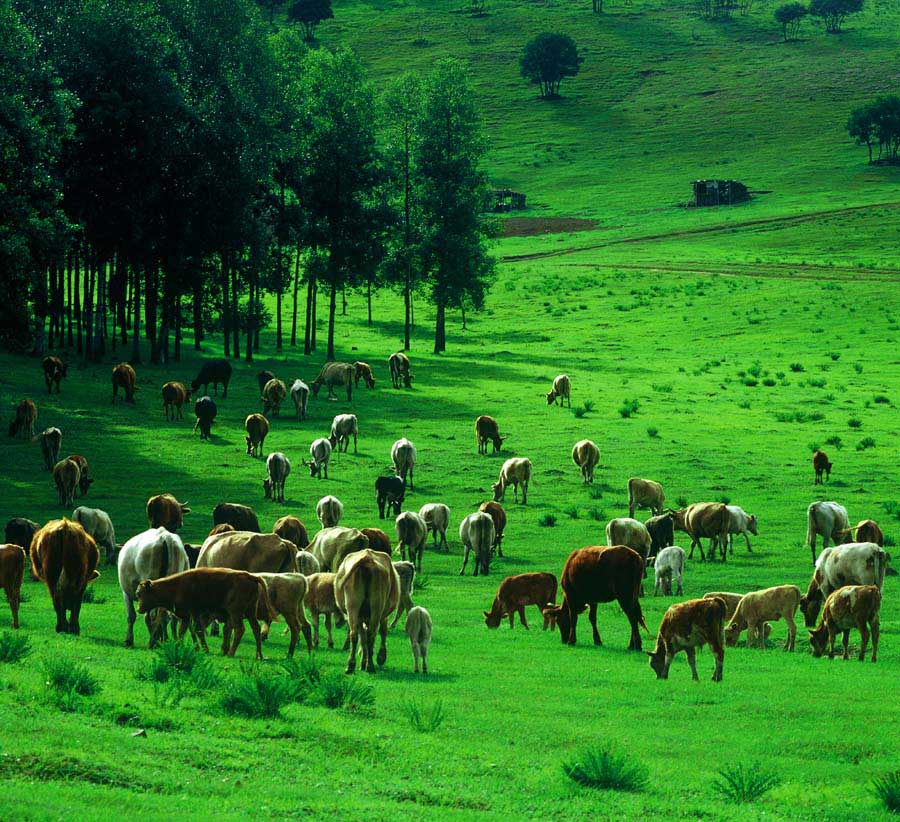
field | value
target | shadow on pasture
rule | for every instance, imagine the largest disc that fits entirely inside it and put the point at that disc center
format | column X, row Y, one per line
column 408, row 676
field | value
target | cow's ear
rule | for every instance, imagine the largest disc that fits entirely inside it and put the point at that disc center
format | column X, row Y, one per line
column 94, row 576
column 486, row 614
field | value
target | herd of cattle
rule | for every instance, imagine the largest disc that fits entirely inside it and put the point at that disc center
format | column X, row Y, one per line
column 241, row 574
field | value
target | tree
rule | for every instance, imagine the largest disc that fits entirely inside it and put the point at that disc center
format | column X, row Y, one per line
column 834, row 12
column 878, row 122
column 309, row 13
column 547, row 59
column 270, row 6
column 790, row 17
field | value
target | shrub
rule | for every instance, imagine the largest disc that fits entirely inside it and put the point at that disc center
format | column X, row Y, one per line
column 682, row 501
column 571, row 512
column 768, row 382
column 595, row 491
column 596, row 514
column 257, row 695
column 603, row 768
column 887, row 789
column 588, row 405
column 14, row 646
column 797, row 367
column 744, row 783
column 813, row 446
column 547, row 521
column 837, row 442
column 66, row 676
column 857, row 368
column 854, row 422
column 723, row 498
column 653, row 432
column 352, row 693
column 303, row 676
column 629, row 407
column 750, row 382
column 423, row 719
column 547, row 60
column 834, row 12
column 881, row 399
column 816, row 382
column 835, row 356
column 579, row 411
column 744, row 404
column 865, row 443
column 663, row 389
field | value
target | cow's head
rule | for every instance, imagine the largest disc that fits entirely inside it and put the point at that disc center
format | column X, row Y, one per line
column 549, row 615
column 551, row 395
column 810, row 605
column 732, row 632
column 315, row 388
column 751, row 525
column 498, row 491
column 677, row 516
column 407, row 379
column 491, row 619
column 145, row 596
column 498, row 441
column 818, row 639
column 658, row 663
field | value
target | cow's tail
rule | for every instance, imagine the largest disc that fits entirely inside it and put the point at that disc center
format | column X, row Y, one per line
column 167, row 560
column 810, row 526
column 640, row 615
column 263, row 603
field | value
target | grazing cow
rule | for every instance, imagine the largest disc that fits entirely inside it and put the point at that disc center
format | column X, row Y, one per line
column 329, row 511
column 272, row 396
column 561, row 390
column 222, row 528
column 662, row 532
column 320, row 600
column 516, row 471
column 600, row 574
column 66, row 474
column 54, row 371
column 84, row 482
column 759, row 607
column 821, row 465
column 669, row 565
column 436, row 516
column 704, row 519
column 166, row 511
column 201, row 594
column 399, row 367
column 215, row 372
column 406, row 573
column 332, row 544
column 828, row 519
column 586, row 455
column 476, row 532
column 307, row 563
column 418, row 629
column 404, row 455
column 378, row 540
column 278, row 467
column 65, row 558
column 686, row 627
column 644, row 493
column 363, row 371
column 174, row 395
column 366, row 590
column 257, row 427
column 300, row 396
column 867, row 530
column 853, row 563
column 124, row 377
column 498, row 515
column 853, row 606
column 344, row 426
column 205, row 410
column 334, row 374
column 740, row 523
column 286, row 594
column 20, row 531
column 26, row 417
column 12, row 571
column 412, row 532
column 292, row 529
column 320, row 451
column 152, row 554
column 262, row 379
column 389, row 493
column 487, row 430
column 248, row 551
column 242, row 517
column 732, row 601
column 518, row 591
column 630, row 532
column 51, row 441
column 98, row 524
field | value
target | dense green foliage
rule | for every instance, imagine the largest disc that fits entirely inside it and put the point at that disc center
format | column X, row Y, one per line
column 878, row 123
column 834, row 12
column 790, row 16
column 547, row 60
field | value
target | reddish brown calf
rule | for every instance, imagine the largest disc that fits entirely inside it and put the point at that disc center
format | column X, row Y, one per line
column 686, row 627
column 12, row 570
column 518, row 591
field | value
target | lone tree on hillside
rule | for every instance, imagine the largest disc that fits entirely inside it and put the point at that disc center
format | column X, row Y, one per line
column 834, row 12
column 309, row 13
column 878, row 123
column 547, row 59
column 790, row 17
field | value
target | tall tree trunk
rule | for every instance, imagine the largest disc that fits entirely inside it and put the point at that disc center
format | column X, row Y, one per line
column 251, row 311
column 343, row 300
column 278, row 341
column 226, row 310
column 100, row 303
column 440, row 341
column 310, row 292
column 177, row 353
column 122, row 301
column 88, row 308
column 41, row 301
column 235, row 324
column 407, row 306
column 79, row 270
column 296, row 289
column 315, row 312
column 151, row 301
column 70, row 264
column 369, row 302
column 197, row 304
column 332, row 307
column 136, row 314
column 462, row 308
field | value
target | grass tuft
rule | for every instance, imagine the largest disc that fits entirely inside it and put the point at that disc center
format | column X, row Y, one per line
column 67, row 677
column 571, row 512
column 653, row 432
column 797, row 367
column 579, row 411
column 854, row 422
column 836, row 441
column 887, row 789
column 424, row 719
column 257, row 695
column 629, row 408
column 744, row 783
column 14, row 646
column 603, row 768
column 865, row 443
column 547, row 520
column 352, row 693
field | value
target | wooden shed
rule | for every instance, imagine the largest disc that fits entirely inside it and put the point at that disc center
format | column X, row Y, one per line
column 505, row 199
column 719, row 192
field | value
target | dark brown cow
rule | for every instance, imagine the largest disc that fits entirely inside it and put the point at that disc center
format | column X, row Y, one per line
column 66, row 475
column 174, row 395
column 662, row 532
column 257, row 429
column 518, row 591
column 687, row 626
column 26, row 417
column 20, row 531
column 167, row 512
column 821, row 465
column 12, row 571
column 704, row 519
column 51, row 442
column 496, row 512
column 262, row 378
column 84, row 482
column 868, row 530
column 378, row 540
column 487, row 430
column 215, row 372
column 242, row 517
column 65, row 557
column 124, row 377
column 54, row 371
column 596, row 574
column 293, row 530
column 363, row 371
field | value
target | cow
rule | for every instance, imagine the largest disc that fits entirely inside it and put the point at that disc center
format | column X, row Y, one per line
column 12, row 572
column 201, row 594
column 216, row 372
column 498, row 515
column 320, row 600
column 152, row 554
column 286, row 593
column 406, row 573
column 404, row 455
column 487, row 430
column 669, row 565
column 332, row 374
column 867, row 530
column 320, row 451
column 821, row 465
column 398, row 364
column 412, row 532
column 518, row 591
column 756, row 608
column 307, row 563
column 221, row 528
column 166, row 511
column 828, row 519
column 586, row 455
column 26, row 417
column 242, row 517
column 378, row 540
column 332, row 544
column 65, row 558
column 363, row 371
column 248, row 551
column 20, row 531
column 686, row 627
column 66, row 475
column 704, row 519
column 273, row 395
column 732, row 601
column 329, row 511
column 257, row 427
column 662, row 532
column 366, row 590
column 853, row 563
column 98, row 524
column 278, row 467
column 389, row 493
column 262, row 379
column 84, row 482
column 300, row 396
column 436, row 516
column 644, row 493
column 174, row 396
column 54, row 371
column 344, row 426
column 561, row 390
column 630, row 532
column 292, row 529
column 600, row 573
column 418, row 628
column 124, row 377
column 51, row 441
column 516, row 471
column 740, row 523
column 205, row 411
column 476, row 532
column 853, row 606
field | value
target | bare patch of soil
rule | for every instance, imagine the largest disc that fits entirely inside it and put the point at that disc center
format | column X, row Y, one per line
column 533, row 226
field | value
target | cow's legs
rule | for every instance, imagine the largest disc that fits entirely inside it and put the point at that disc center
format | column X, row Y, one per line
column 592, row 617
column 691, row 654
column 257, row 635
column 522, row 617
column 720, row 662
column 353, row 639
column 465, row 560
column 863, row 640
column 131, row 617
column 792, row 632
column 239, row 635
column 382, row 650
column 846, row 645
column 74, row 611
column 876, row 630
column 226, row 637
column 328, row 630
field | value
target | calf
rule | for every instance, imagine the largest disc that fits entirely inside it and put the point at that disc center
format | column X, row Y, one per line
column 403, row 455
column 662, row 532
column 418, row 629
column 828, row 519
column 12, row 571
column 389, row 493
column 329, row 511
column 487, row 430
column 498, row 515
column 686, row 627
column 398, row 364
column 98, row 524
column 669, row 564
column 54, row 371
column 516, row 592
column 242, row 517
column 437, row 519
column 216, row 372
column 205, row 410
column 740, row 523
column 320, row 600
column 278, row 467
column 630, row 532
column 292, row 529
column 334, row 374
column 406, row 573
column 732, row 601
column 66, row 475
column 286, row 593
column 124, row 377
column 320, row 451
column 644, row 493
column 262, row 379
column 868, row 530
column 516, row 471
column 476, row 532
column 821, row 465
column 166, row 511
column 257, row 427
column 343, row 427
column 174, row 395
column 84, row 482
column 51, row 440
column 411, row 534
column 759, row 607
column 272, row 396
column 23, row 424
column 561, row 391
column 300, row 396
column 586, row 455
column 378, row 540
column 853, row 606
column 363, row 371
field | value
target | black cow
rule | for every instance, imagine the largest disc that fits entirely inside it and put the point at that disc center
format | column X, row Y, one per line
column 19, row 531
column 206, row 411
column 215, row 372
column 242, row 517
column 662, row 533
column 192, row 552
column 262, row 378
column 389, row 491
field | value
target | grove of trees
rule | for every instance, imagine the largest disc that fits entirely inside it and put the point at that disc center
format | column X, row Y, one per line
column 878, row 124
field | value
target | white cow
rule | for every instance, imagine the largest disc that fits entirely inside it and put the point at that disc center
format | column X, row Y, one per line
column 828, row 519
column 740, row 523
column 278, row 467
column 320, row 451
column 437, row 519
column 329, row 511
column 344, row 426
column 98, row 524
column 476, row 532
column 403, row 455
column 669, row 565
column 331, row 545
column 516, row 471
column 300, row 396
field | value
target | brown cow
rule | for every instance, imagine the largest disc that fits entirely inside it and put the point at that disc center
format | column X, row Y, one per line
column 221, row 528
column 704, row 519
column 273, row 395
column 821, row 465
column 257, row 428
column 293, row 530
column 12, row 570
column 51, row 442
column 398, row 365
column 26, row 417
column 66, row 475
column 687, row 626
column 124, row 377
column 65, row 557
column 487, row 430
column 378, row 540
column 496, row 512
column 165, row 511
column 518, row 591
column 363, row 371
column 174, row 395
column 866, row 530
column 853, row 606
column 84, row 482
column 596, row 574
column 54, row 371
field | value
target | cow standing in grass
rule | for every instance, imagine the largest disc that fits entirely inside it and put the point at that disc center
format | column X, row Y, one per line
column 516, row 471
column 561, row 391
column 403, row 455
column 828, row 519
column 278, row 467
column 273, row 395
column 498, row 515
column 174, row 395
column 344, row 426
column 165, row 511
column 686, row 627
column 51, row 442
column 476, row 532
column 517, row 592
column 363, row 371
column 54, row 371
column 398, row 364
column 23, row 424
column 205, row 411
column 12, row 572
column 216, row 372
column 84, row 481
column 320, row 451
column 65, row 476
column 644, row 493
column 487, row 430
column 257, row 427
column 124, row 377
column 821, row 465
column 300, row 396
column 98, row 524
column 853, row 606
column 586, row 455
column 334, row 374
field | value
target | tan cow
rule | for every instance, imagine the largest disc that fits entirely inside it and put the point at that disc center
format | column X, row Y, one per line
column 257, row 429
column 644, row 493
column 331, row 545
column 66, row 475
column 561, row 390
column 174, row 395
column 12, row 571
column 272, row 396
column 853, row 606
column 26, row 417
column 760, row 607
column 292, row 529
column 586, row 455
column 363, row 371
column 286, row 594
column 320, row 601
column 248, row 551
column 124, row 377
column 704, row 519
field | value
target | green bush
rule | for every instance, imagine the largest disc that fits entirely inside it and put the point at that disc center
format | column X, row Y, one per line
column 854, row 422
column 579, row 411
column 424, row 719
column 603, row 768
column 629, row 408
column 66, row 677
column 797, row 367
column 881, row 399
column 14, row 646
column 887, row 789
column 768, row 382
column 257, row 695
column 653, row 432
column 352, row 693
column 303, row 676
column 597, row 514
column 547, row 521
column 865, row 443
column 837, row 442
column 744, row 783
column 571, row 512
